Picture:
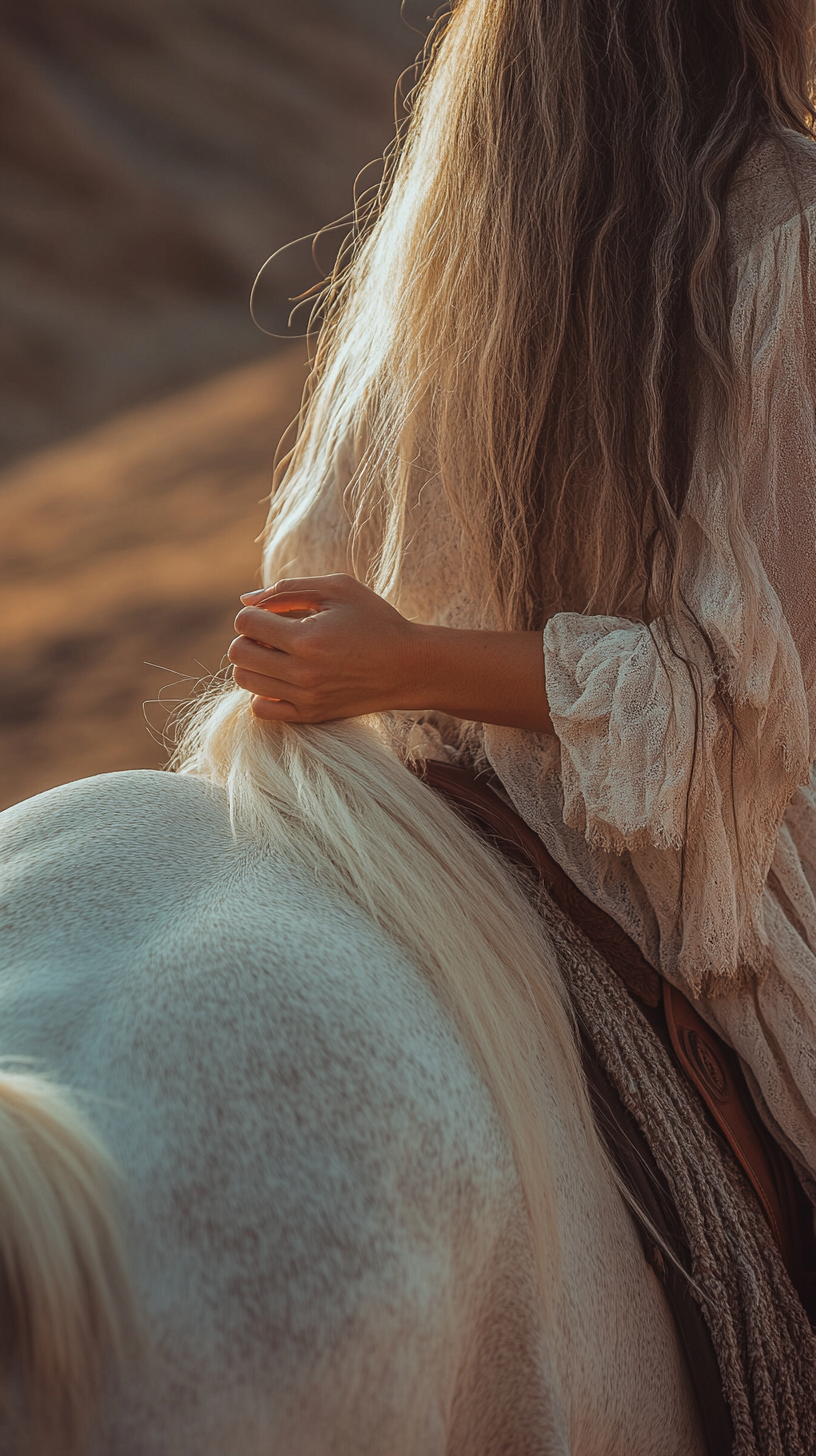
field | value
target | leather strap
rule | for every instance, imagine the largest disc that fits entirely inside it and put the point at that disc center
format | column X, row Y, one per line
column 713, row 1069
column 496, row 821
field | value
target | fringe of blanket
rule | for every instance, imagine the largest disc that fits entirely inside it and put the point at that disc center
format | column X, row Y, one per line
column 763, row 1341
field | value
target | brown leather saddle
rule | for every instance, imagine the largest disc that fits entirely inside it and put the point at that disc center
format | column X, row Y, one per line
column 706, row 1063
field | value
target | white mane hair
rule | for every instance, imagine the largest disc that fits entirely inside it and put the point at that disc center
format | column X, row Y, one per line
column 67, row 1294
column 337, row 800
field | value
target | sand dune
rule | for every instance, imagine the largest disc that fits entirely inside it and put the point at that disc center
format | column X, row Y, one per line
column 126, row 548
column 152, row 154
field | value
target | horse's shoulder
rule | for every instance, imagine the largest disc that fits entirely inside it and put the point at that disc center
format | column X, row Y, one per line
column 136, row 880
column 231, row 983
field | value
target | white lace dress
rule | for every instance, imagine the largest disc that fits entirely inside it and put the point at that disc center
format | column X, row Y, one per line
column 712, row 874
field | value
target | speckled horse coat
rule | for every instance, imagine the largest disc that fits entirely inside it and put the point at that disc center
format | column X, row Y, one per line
column 324, row 1226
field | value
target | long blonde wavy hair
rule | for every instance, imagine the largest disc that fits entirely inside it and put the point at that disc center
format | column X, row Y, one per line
column 519, row 316
column 525, row 309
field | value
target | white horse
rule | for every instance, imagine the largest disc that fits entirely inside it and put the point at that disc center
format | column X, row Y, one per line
column 358, row 1206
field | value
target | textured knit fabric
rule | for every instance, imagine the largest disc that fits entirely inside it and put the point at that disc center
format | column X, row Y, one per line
column 712, row 871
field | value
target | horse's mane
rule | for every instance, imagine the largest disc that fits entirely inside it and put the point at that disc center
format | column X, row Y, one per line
column 337, row 799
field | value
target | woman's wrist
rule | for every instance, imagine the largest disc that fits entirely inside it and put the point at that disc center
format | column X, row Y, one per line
column 487, row 677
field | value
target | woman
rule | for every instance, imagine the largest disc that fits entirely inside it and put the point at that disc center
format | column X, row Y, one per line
column 565, row 386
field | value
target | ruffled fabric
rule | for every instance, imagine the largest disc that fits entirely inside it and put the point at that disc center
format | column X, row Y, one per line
column 624, row 710
column 694, row 795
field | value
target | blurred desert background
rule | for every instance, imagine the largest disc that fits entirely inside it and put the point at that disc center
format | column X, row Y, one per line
column 153, row 154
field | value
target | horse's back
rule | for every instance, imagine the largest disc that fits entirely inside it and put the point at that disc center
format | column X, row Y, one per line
column 319, row 1198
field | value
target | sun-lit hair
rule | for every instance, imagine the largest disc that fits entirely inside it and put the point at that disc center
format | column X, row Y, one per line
column 69, row 1312
column 529, row 308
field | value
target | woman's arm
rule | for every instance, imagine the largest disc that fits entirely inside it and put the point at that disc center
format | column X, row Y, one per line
column 327, row 647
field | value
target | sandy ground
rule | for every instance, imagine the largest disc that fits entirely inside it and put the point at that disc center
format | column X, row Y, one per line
column 122, row 555
column 153, row 153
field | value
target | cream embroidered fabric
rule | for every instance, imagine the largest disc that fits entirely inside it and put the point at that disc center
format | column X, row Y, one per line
column 729, row 916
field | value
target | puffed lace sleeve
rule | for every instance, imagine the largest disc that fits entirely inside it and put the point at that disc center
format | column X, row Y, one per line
column 666, row 807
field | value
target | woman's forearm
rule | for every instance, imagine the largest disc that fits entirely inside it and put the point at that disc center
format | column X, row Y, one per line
column 488, row 677
column 319, row 648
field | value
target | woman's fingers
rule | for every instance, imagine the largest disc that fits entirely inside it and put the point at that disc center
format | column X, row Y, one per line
column 267, row 662
column 267, row 627
column 313, row 590
column 274, row 699
column 264, row 687
column 273, row 711
column 303, row 600
column 294, row 601
column 329, row 647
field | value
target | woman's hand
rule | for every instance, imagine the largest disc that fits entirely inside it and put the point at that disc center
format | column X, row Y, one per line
column 324, row 647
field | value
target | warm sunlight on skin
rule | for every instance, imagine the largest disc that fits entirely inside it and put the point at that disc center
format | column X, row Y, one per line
column 325, row 647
